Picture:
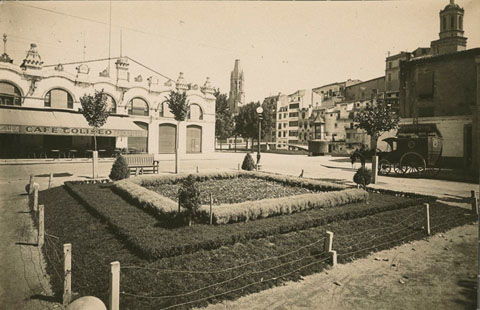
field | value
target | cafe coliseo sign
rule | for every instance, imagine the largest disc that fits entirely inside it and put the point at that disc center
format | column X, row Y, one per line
column 70, row 131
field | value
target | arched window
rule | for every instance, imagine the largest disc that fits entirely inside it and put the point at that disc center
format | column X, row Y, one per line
column 111, row 104
column 194, row 139
column 195, row 112
column 58, row 98
column 444, row 23
column 452, row 22
column 460, row 23
column 9, row 94
column 138, row 106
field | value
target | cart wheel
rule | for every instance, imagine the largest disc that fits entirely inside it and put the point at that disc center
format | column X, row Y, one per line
column 412, row 163
column 384, row 167
column 397, row 168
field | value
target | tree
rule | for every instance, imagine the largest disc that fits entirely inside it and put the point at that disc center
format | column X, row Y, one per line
column 189, row 197
column 246, row 122
column 178, row 104
column 94, row 109
column 376, row 120
column 223, row 117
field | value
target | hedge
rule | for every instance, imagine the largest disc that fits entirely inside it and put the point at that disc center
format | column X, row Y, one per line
column 154, row 239
column 134, row 191
column 252, row 210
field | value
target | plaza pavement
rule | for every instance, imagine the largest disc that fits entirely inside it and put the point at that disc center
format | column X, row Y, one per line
column 23, row 284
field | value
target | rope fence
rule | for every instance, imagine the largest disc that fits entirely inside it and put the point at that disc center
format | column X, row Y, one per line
column 419, row 222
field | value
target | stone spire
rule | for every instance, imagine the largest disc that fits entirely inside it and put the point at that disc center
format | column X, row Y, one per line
column 33, row 59
column 236, row 97
column 4, row 57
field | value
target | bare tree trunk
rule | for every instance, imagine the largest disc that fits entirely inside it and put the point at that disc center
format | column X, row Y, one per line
column 177, row 138
column 95, row 138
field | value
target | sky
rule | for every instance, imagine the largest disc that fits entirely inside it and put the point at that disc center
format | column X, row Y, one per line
column 282, row 46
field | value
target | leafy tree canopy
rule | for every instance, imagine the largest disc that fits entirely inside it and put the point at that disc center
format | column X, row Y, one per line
column 376, row 119
column 223, row 117
column 94, row 109
column 178, row 104
column 246, row 122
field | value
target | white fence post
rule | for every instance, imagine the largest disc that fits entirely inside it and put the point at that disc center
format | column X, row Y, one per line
column 41, row 226
column 211, row 213
column 50, row 180
column 67, row 273
column 35, row 196
column 32, row 179
column 427, row 224
column 114, row 286
column 328, row 247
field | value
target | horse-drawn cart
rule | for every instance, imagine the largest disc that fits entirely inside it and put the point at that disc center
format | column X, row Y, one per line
column 417, row 149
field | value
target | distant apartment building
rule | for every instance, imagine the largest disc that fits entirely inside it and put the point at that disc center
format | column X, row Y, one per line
column 328, row 95
column 305, row 125
column 274, row 103
column 288, row 116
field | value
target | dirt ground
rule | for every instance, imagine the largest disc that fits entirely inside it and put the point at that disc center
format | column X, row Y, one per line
column 437, row 273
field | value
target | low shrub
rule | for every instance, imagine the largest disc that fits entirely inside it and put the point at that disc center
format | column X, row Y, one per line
column 363, row 177
column 252, row 210
column 189, row 198
column 120, row 169
column 248, row 163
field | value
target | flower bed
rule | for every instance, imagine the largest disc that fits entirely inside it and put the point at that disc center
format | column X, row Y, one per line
column 151, row 238
column 228, row 272
column 135, row 191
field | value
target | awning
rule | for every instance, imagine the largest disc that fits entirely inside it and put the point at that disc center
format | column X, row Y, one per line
column 19, row 121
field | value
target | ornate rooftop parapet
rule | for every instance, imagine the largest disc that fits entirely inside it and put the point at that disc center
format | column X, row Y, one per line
column 207, row 87
column 33, row 59
column 181, row 84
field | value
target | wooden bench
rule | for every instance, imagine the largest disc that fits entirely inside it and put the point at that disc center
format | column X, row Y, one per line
column 141, row 163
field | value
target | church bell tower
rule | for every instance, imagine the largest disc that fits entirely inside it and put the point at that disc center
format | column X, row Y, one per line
column 236, row 97
column 451, row 31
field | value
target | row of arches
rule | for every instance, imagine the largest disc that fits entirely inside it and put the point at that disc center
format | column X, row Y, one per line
column 167, row 139
column 59, row 98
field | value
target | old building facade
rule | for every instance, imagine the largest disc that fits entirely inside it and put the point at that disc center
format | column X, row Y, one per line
column 39, row 111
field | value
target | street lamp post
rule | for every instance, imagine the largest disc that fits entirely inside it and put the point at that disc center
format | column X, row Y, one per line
column 260, row 116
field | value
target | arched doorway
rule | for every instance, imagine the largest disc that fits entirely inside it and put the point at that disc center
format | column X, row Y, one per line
column 194, row 139
column 166, row 138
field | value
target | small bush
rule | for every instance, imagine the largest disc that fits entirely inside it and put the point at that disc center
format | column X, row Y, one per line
column 189, row 198
column 363, row 177
column 120, row 169
column 248, row 163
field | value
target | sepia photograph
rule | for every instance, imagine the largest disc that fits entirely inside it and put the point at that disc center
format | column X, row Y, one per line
column 240, row 155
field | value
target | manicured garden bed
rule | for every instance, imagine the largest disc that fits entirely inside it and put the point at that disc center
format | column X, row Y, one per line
column 227, row 272
column 234, row 190
column 152, row 238
column 251, row 205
